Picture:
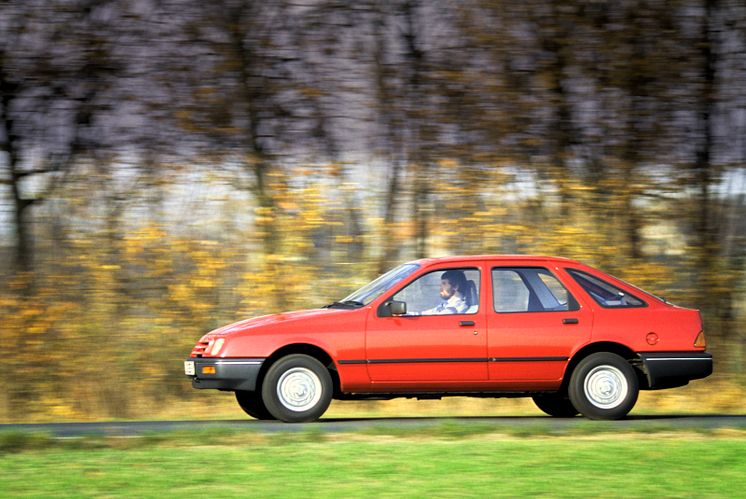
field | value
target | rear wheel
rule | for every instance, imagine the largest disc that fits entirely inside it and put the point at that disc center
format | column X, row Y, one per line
column 297, row 388
column 252, row 404
column 555, row 405
column 604, row 386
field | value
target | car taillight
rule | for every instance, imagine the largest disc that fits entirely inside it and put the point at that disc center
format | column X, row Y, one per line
column 700, row 342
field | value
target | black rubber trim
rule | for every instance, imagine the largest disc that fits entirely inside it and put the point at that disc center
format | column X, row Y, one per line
column 439, row 394
column 455, row 360
column 230, row 374
column 665, row 369
column 528, row 359
column 424, row 361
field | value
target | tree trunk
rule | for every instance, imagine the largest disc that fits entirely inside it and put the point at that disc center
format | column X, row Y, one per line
column 23, row 249
column 251, row 88
column 417, row 156
column 706, row 224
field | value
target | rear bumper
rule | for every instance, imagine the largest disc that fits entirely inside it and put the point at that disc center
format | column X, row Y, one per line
column 230, row 374
column 670, row 369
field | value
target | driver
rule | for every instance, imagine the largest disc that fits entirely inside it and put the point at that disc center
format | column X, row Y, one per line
column 452, row 288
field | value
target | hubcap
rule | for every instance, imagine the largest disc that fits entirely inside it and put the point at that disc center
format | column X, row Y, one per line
column 299, row 389
column 605, row 387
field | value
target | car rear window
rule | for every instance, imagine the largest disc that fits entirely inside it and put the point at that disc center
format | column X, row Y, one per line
column 605, row 294
column 529, row 289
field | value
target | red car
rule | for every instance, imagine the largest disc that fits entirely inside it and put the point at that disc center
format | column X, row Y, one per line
column 573, row 338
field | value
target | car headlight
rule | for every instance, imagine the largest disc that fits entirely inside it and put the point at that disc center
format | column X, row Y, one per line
column 214, row 347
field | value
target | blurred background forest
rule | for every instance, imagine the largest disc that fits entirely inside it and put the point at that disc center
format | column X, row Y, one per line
column 168, row 166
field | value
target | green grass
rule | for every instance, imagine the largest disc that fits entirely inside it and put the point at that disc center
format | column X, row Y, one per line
column 313, row 464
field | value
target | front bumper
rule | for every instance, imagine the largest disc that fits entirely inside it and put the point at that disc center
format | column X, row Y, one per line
column 671, row 369
column 229, row 374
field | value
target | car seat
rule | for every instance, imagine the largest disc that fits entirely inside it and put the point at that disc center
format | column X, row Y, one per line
column 472, row 297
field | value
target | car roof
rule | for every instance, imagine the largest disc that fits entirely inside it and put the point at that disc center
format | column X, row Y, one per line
column 494, row 258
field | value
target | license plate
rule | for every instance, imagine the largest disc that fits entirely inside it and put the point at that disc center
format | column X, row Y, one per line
column 189, row 367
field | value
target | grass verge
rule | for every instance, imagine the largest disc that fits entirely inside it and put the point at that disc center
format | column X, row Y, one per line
column 442, row 461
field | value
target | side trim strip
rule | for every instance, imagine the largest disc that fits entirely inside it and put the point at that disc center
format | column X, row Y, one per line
column 454, row 360
column 528, row 359
column 424, row 361
column 243, row 363
column 708, row 359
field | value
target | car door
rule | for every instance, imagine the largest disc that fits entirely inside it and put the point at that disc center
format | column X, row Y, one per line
column 534, row 325
column 430, row 346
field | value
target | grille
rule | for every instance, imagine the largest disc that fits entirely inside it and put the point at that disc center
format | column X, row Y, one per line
column 199, row 349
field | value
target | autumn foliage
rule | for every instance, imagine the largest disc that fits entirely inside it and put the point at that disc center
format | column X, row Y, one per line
column 168, row 167
column 100, row 327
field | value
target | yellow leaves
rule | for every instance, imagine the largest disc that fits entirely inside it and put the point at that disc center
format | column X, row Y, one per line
column 60, row 410
column 202, row 283
column 288, row 205
column 311, row 92
column 514, row 229
column 26, row 313
column 20, row 281
column 36, row 329
column 181, row 292
column 142, row 298
column 447, row 163
column 138, row 241
column 263, row 215
column 206, row 91
column 183, row 115
column 8, row 302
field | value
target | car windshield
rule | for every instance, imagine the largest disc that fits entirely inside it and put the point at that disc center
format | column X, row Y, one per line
column 376, row 288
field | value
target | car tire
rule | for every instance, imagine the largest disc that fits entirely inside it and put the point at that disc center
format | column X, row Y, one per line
column 555, row 405
column 253, row 405
column 297, row 389
column 603, row 386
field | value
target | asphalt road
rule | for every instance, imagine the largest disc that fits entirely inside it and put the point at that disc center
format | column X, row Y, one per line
column 541, row 423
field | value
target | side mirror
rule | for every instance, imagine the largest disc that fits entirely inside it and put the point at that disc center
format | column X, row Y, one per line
column 392, row 308
column 398, row 307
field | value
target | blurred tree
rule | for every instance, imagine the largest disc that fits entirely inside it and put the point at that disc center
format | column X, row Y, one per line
column 201, row 162
column 54, row 64
column 389, row 143
column 259, row 97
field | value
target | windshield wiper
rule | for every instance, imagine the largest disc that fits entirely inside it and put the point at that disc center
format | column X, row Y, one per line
column 349, row 304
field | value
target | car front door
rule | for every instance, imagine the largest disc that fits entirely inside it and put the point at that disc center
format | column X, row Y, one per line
column 438, row 341
column 534, row 325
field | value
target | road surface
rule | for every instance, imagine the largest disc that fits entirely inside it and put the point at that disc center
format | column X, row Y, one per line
column 501, row 423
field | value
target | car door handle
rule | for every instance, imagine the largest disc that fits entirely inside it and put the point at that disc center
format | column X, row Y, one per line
column 466, row 323
column 572, row 320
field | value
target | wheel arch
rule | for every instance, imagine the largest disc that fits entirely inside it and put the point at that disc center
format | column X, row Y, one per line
column 605, row 346
column 314, row 351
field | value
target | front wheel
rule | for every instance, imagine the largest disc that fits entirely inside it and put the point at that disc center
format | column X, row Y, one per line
column 252, row 404
column 603, row 386
column 555, row 405
column 297, row 389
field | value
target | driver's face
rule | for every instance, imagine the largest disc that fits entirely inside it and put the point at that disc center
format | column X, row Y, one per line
column 446, row 289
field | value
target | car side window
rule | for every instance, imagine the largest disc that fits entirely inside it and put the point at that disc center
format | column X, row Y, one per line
column 442, row 292
column 605, row 294
column 529, row 289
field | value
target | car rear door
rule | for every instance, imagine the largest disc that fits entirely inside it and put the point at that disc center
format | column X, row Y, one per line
column 534, row 324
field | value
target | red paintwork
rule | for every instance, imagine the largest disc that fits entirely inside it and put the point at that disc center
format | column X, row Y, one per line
column 360, row 335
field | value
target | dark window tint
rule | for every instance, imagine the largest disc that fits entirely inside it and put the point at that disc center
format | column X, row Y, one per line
column 529, row 289
column 607, row 295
